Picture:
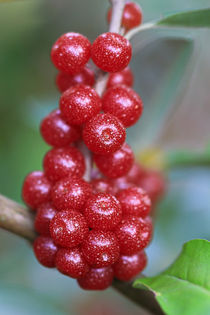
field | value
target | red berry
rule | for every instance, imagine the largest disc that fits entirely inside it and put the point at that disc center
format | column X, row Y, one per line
column 56, row 132
column 36, row 189
column 45, row 251
column 70, row 193
column 64, row 80
column 102, row 212
column 146, row 230
column 62, row 162
column 104, row 134
column 79, row 104
column 102, row 185
column 97, row 279
column 124, row 103
column 123, row 77
column 111, row 52
column 116, row 164
column 134, row 202
column 100, row 248
column 44, row 215
column 127, row 267
column 70, row 262
column 121, row 183
column 71, row 52
column 68, row 228
column 135, row 173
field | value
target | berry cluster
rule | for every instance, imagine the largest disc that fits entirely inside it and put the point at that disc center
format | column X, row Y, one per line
column 92, row 231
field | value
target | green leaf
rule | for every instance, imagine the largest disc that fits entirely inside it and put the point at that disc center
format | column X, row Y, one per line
column 184, row 288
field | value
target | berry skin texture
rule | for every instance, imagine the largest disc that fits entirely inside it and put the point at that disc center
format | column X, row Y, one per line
column 102, row 185
column 61, row 162
column 120, row 183
column 146, row 230
column 70, row 193
column 56, row 132
column 116, row 164
column 79, row 104
column 124, row 103
column 68, row 228
column 104, row 134
column 103, row 212
column 71, row 52
column 36, row 189
column 127, row 267
column 135, row 173
column 97, row 279
column 111, row 52
column 64, row 80
column 124, row 77
column 70, row 262
column 44, row 215
column 100, row 249
column 45, row 251
column 134, row 202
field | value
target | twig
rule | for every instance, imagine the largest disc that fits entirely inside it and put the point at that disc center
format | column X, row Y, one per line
column 117, row 11
column 138, row 29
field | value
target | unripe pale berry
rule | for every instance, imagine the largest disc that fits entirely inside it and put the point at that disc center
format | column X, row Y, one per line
column 45, row 251
column 97, row 279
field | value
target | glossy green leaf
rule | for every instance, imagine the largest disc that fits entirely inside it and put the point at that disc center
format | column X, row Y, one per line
column 184, row 288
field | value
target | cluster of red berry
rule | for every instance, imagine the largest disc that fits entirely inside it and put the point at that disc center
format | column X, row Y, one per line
column 92, row 231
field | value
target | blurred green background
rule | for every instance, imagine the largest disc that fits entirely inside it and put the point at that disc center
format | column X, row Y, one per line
column 172, row 75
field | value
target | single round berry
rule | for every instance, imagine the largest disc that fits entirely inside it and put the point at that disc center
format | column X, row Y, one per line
column 100, row 248
column 68, row 228
column 71, row 262
column 146, row 230
column 136, row 172
column 71, row 52
column 45, row 251
column 56, row 132
column 124, row 77
column 104, row 134
column 79, row 104
column 64, row 80
column 124, row 103
column 102, row 185
column 132, row 15
column 111, row 52
column 116, row 164
column 134, row 202
column 70, row 193
column 121, row 183
column 44, row 215
column 102, row 212
column 97, row 279
column 127, row 267
column 36, row 189
column 61, row 162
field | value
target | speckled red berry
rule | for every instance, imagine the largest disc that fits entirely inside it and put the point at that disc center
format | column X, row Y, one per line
column 61, row 162
column 104, row 134
column 124, row 77
column 44, row 215
column 79, row 104
column 116, row 164
column 45, row 251
column 136, row 172
column 102, row 212
column 68, row 228
column 111, row 52
column 100, row 248
column 146, row 230
column 36, row 189
column 97, row 279
column 71, row 52
column 102, row 185
column 121, row 183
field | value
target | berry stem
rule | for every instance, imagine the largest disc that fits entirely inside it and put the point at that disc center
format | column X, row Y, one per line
column 139, row 29
column 117, row 11
column 88, row 160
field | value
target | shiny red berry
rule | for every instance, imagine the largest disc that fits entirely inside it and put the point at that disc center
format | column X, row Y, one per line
column 124, row 103
column 121, row 183
column 61, row 162
column 56, row 132
column 64, row 80
column 71, row 52
column 134, row 202
column 68, row 228
column 127, row 267
column 111, row 52
column 71, row 262
column 136, row 172
column 100, row 248
column 36, row 189
column 124, row 77
column 97, row 279
column 44, row 215
column 102, row 185
column 146, row 230
column 79, row 104
column 45, row 251
column 104, row 134
column 70, row 193
column 116, row 164
column 103, row 212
